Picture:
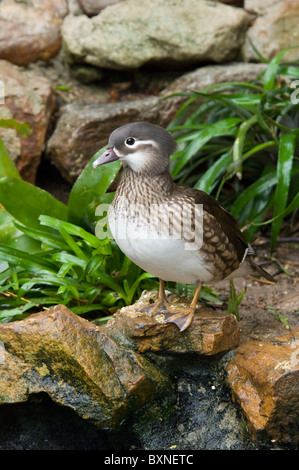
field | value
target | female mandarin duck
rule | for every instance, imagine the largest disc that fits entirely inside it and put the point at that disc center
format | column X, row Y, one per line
column 175, row 233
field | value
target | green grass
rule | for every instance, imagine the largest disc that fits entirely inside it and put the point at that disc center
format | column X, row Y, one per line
column 48, row 251
column 239, row 143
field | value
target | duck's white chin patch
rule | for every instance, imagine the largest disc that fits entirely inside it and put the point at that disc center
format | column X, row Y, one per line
column 140, row 160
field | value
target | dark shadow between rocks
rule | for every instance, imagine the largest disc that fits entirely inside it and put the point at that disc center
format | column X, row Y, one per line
column 41, row 424
column 201, row 415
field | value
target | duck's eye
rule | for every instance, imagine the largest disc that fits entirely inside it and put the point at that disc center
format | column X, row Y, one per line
column 130, row 141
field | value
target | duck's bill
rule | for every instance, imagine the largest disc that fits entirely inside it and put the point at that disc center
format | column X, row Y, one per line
column 108, row 156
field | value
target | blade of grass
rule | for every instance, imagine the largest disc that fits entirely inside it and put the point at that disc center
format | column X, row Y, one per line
column 232, row 167
column 25, row 260
column 132, row 290
column 272, row 70
column 72, row 244
column 260, row 56
column 229, row 86
column 209, row 179
column 69, row 259
column 263, row 183
column 239, row 143
column 294, row 204
column 71, row 229
column 228, row 104
column 47, row 238
column 105, row 279
column 7, row 166
column 284, row 169
column 224, row 127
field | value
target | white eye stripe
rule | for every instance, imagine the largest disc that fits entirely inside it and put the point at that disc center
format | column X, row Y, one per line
column 138, row 143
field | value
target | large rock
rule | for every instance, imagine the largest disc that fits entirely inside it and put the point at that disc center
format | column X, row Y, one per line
column 209, row 333
column 84, row 129
column 77, row 365
column 264, row 378
column 27, row 98
column 258, row 7
column 274, row 29
column 185, row 32
column 30, row 31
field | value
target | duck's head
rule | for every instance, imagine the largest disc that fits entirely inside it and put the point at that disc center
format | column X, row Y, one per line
column 144, row 147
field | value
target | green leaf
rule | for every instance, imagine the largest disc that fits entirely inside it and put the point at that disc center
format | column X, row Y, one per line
column 294, row 204
column 260, row 56
column 272, row 70
column 223, row 86
column 25, row 260
column 12, row 235
column 289, row 70
column 94, row 263
column 7, row 315
column 234, row 300
column 284, row 170
column 92, row 183
column 90, row 308
column 62, row 88
column 109, row 282
column 27, row 202
column 209, row 179
column 132, row 290
column 278, row 316
column 69, row 259
column 261, row 185
column 71, row 229
column 23, row 128
column 232, row 167
column 239, row 142
column 7, row 166
column 72, row 244
column 224, row 127
column 51, row 239
column 8, row 231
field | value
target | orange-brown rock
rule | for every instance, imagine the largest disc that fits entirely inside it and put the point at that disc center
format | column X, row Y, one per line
column 30, row 31
column 77, row 364
column 210, row 332
column 264, row 378
column 27, row 98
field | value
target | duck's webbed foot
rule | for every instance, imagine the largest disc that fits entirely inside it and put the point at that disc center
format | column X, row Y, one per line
column 182, row 318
